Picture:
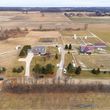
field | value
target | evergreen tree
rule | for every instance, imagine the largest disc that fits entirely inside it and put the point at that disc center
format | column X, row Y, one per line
column 43, row 70
column 70, row 68
column 66, row 46
column 78, row 70
column 50, row 68
column 70, row 47
column 56, row 56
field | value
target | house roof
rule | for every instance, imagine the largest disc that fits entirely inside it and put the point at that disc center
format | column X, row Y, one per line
column 87, row 48
column 39, row 50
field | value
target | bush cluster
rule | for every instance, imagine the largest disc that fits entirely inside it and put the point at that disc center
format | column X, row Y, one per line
column 48, row 69
column 18, row 69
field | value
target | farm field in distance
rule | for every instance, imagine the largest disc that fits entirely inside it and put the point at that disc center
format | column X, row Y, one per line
column 91, row 20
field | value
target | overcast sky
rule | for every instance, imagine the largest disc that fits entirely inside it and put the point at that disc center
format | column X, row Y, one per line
column 55, row 3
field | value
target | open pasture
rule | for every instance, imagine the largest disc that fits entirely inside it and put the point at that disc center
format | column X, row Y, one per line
column 81, row 38
column 31, row 20
column 33, row 16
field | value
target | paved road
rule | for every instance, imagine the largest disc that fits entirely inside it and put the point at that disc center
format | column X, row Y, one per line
column 28, row 60
column 59, row 74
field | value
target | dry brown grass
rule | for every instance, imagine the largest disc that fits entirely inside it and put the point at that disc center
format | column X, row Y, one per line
column 54, row 101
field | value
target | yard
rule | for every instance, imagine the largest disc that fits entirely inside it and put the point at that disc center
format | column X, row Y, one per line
column 43, row 60
column 89, row 61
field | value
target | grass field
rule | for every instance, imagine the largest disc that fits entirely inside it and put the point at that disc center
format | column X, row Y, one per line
column 31, row 20
column 54, row 101
column 71, row 33
column 101, row 30
column 95, row 61
column 91, row 20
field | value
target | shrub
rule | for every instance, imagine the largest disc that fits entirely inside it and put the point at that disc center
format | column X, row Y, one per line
column 78, row 70
column 18, row 69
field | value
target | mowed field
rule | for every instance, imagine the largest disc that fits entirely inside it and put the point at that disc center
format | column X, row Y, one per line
column 55, row 101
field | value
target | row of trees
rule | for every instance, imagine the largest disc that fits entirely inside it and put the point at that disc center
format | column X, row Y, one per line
column 68, row 47
column 72, row 69
column 96, row 71
column 48, row 69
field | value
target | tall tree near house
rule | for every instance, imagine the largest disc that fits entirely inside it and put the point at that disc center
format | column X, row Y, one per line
column 70, row 47
column 66, row 46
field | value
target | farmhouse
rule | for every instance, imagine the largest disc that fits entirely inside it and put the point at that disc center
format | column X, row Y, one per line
column 87, row 49
column 91, row 48
column 39, row 50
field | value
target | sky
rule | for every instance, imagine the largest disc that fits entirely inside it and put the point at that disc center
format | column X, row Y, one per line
column 55, row 3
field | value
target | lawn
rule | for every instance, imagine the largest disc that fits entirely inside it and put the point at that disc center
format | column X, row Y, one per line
column 43, row 60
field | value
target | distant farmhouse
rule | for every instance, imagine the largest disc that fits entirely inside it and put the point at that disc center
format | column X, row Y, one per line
column 90, row 48
column 39, row 50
